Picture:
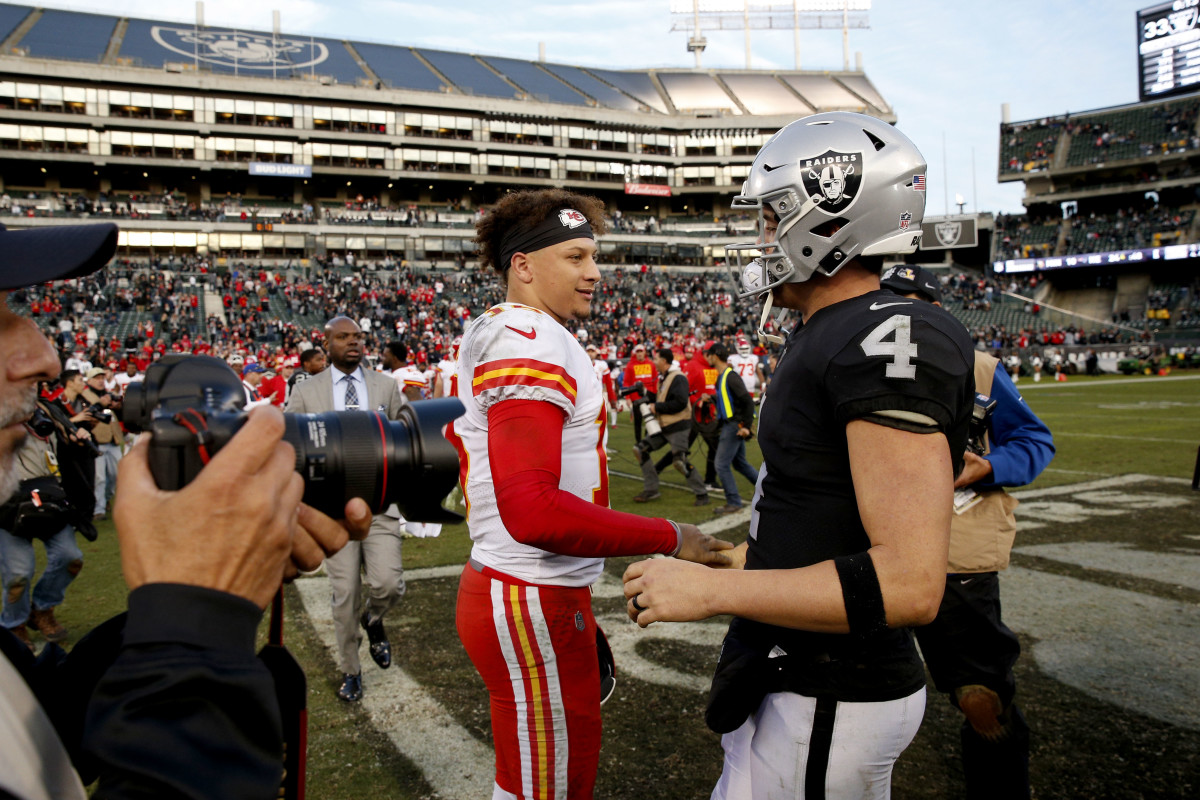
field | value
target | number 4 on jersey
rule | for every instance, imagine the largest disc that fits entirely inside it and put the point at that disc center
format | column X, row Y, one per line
column 901, row 349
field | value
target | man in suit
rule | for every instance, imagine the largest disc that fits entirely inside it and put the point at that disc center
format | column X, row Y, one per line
column 346, row 386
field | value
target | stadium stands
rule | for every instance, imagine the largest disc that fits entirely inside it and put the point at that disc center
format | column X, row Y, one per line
column 1127, row 229
column 1135, row 132
column 691, row 91
column 1017, row 236
column 591, row 86
column 764, row 94
column 69, row 35
column 467, row 74
column 820, row 92
column 399, row 68
column 10, row 18
column 537, row 83
column 1028, row 146
column 637, row 85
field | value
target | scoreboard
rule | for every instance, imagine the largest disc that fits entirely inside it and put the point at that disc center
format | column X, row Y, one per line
column 1169, row 49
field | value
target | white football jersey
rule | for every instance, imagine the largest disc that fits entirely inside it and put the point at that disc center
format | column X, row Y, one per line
column 409, row 377
column 514, row 352
column 445, row 374
column 747, row 367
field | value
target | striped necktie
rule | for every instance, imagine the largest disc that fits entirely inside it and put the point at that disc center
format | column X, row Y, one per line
column 351, row 394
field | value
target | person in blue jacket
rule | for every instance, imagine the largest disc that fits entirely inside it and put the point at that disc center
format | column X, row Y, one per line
column 970, row 652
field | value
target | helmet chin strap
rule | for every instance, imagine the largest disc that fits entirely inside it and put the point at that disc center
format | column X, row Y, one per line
column 762, row 321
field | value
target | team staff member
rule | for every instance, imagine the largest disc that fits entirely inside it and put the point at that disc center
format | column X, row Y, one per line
column 970, row 652
column 862, row 434
column 535, row 477
column 181, row 705
column 346, row 386
column 735, row 415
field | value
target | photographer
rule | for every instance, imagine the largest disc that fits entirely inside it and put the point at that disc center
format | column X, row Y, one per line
column 77, row 452
column 107, row 435
column 674, row 413
column 174, row 701
column 38, row 510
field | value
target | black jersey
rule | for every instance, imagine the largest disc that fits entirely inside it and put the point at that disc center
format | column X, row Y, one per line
column 868, row 357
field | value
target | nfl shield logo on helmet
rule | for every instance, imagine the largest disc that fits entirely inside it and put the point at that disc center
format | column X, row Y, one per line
column 832, row 179
column 571, row 218
column 905, row 220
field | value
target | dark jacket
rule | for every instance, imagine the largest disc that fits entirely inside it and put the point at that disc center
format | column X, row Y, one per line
column 733, row 401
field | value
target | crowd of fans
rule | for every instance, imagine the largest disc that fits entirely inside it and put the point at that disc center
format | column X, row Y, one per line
column 1126, row 229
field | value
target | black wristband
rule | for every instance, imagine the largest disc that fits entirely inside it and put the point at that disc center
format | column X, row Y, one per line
column 861, row 594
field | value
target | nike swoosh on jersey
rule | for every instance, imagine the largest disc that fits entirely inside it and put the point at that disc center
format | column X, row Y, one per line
column 878, row 306
column 529, row 334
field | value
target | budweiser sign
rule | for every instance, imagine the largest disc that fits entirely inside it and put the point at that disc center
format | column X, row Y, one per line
column 653, row 189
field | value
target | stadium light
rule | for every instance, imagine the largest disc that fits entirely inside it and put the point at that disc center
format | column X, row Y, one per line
column 696, row 16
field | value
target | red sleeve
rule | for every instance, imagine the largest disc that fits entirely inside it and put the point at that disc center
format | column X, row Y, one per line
column 536, row 512
column 609, row 389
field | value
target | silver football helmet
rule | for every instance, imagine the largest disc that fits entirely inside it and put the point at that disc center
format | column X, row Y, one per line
column 841, row 185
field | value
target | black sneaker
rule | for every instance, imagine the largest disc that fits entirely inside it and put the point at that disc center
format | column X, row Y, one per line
column 646, row 497
column 726, row 509
column 701, row 500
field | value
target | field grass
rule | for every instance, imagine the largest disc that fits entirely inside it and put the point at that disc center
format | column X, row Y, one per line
column 656, row 744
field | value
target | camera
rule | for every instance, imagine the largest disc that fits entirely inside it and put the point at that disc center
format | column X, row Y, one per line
column 653, row 438
column 101, row 414
column 193, row 405
column 977, row 428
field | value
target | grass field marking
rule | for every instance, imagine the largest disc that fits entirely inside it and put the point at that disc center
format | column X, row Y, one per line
column 624, row 636
column 1023, row 385
column 1077, row 472
column 1116, row 481
column 454, row 763
column 1121, row 647
column 1065, row 435
column 1177, row 567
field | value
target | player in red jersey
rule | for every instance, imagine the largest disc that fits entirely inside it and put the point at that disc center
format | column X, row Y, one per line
column 535, row 477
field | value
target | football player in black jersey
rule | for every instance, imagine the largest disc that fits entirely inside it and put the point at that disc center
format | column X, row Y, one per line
column 819, row 687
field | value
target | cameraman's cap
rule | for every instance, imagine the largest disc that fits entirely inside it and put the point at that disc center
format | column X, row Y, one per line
column 639, row 346
column 252, row 368
column 717, row 349
column 904, row 279
column 39, row 255
column 93, row 372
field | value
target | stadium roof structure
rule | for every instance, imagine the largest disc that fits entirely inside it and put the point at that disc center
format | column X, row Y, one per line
column 116, row 41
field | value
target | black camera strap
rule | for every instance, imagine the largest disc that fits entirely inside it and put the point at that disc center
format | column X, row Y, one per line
column 291, row 691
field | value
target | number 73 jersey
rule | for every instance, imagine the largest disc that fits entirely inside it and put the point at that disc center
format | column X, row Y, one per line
column 882, row 357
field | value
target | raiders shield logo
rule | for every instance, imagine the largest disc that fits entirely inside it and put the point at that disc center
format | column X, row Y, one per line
column 948, row 232
column 832, row 180
column 239, row 49
column 570, row 218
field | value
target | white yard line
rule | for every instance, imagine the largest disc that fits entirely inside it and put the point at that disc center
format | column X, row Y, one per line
column 1053, row 384
column 453, row 762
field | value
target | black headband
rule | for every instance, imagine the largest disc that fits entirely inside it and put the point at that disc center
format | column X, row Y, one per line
column 561, row 226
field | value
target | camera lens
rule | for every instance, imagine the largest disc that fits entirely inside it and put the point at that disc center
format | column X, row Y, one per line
column 409, row 462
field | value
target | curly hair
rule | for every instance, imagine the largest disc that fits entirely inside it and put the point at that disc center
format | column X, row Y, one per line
column 529, row 208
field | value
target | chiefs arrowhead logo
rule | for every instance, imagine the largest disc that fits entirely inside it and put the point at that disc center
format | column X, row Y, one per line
column 832, row 180
column 570, row 218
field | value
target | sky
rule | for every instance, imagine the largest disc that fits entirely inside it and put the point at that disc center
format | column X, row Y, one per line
column 945, row 67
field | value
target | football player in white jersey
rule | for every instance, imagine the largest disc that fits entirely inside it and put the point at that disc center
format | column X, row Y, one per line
column 747, row 365
column 604, row 374
column 395, row 361
column 535, row 476
column 443, row 385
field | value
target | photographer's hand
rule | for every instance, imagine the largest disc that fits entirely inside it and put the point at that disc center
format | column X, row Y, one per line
column 975, row 469
column 319, row 536
column 232, row 529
